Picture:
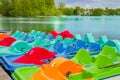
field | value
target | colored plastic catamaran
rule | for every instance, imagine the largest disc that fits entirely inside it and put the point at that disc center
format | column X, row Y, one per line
column 58, row 69
column 106, row 64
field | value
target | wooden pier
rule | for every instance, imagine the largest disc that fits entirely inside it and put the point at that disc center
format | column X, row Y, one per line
column 4, row 75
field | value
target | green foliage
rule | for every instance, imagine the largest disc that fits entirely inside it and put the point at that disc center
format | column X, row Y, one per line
column 97, row 12
column 117, row 11
column 4, row 9
column 31, row 8
column 68, row 11
column 78, row 11
column 110, row 11
column 61, row 5
column 27, row 8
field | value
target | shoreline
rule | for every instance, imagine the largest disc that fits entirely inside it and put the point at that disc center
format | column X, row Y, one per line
column 58, row 16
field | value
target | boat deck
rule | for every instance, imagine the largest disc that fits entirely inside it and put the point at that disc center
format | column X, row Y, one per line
column 5, row 76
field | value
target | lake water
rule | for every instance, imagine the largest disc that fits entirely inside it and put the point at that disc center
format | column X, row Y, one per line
column 98, row 25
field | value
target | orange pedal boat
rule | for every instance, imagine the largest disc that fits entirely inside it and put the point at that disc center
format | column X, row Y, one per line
column 57, row 69
column 2, row 35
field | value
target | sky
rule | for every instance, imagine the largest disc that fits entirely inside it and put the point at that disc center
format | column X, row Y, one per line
column 91, row 3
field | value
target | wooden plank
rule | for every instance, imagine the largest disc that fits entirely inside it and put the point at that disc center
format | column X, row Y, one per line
column 4, row 75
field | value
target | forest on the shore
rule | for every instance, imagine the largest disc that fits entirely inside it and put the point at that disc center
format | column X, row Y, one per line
column 33, row 8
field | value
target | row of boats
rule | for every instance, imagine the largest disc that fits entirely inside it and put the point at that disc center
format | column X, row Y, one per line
column 59, row 56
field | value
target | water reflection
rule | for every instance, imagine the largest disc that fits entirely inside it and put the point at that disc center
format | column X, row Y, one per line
column 26, row 24
column 108, row 25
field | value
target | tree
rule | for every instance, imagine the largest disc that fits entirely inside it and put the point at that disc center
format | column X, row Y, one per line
column 27, row 8
column 50, row 7
column 97, row 12
column 68, row 11
column 61, row 5
column 117, row 11
column 4, row 7
column 15, row 8
column 109, row 11
column 78, row 11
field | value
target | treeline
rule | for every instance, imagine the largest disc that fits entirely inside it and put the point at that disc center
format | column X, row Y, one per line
column 27, row 8
column 88, row 12
column 91, row 12
column 31, row 8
